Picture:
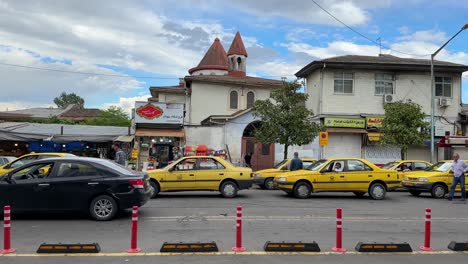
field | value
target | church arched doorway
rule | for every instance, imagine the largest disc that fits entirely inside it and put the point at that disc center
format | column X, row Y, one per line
column 262, row 155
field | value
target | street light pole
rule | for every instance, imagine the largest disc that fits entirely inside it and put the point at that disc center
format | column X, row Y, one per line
column 433, row 92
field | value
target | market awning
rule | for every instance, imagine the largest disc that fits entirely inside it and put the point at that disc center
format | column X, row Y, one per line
column 149, row 132
column 347, row 130
column 374, row 136
column 124, row 138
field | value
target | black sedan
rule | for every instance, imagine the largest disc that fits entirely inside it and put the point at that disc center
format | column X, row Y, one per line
column 97, row 186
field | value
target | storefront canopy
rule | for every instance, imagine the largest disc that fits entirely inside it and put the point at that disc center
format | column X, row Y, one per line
column 124, row 139
column 148, row 132
column 347, row 130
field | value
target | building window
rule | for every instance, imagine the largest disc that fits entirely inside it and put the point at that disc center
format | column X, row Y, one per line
column 384, row 84
column 443, row 86
column 250, row 99
column 233, row 100
column 343, row 83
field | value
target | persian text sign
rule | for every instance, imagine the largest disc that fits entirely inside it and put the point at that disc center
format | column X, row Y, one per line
column 374, row 122
column 345, row 122
column 159, row 113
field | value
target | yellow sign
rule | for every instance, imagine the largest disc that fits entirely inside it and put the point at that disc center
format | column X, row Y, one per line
column 134, row 154
column 345, row 122
column 323, row 140
column 374, row 122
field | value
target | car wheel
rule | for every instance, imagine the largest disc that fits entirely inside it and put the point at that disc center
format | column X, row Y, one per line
column 155, row 187
column 103, row 208
column 269, row 184
column 359, row 194
column 415, row 193
column 377, row 191
column 302, row 190
column 438, row 191
column 229, row 189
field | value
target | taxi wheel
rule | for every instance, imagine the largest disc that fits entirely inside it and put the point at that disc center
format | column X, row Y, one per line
column 269, row 184
column 155, row 187
column 229, row 189
column 302, row 190
column 377, row 191
column 415, row 193
column 438, row 191
column 359, row 194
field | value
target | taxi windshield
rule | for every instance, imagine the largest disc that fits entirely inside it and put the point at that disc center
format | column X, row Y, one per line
column 440, row 166
column 277, row 166
column 389, row 165
column 316, row 165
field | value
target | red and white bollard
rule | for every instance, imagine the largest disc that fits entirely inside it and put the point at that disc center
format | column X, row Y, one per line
column 427, row 232
column 339, row 235
column 133, row 244
column 7, row 231
column 239, row 247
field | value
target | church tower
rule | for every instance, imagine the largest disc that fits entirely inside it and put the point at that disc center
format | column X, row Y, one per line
column 237, row 56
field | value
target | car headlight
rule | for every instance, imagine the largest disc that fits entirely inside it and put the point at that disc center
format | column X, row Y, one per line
column 257, row 175
column 281, row 179
column 423, row 179
column 405, row 178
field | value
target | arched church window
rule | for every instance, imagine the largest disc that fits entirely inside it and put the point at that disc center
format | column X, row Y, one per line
column 250, row 99
column 233, row 100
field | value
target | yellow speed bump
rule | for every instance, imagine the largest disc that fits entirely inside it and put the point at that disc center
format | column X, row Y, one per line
column 291, row 247
column 189, row 247
column 68, row 248
column 383, row 247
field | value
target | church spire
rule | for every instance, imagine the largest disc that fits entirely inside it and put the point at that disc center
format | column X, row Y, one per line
column 214, row 61
column 237, row 56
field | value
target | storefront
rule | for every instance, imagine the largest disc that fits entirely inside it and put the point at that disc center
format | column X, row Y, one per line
column 374, row 151
column 159, row 134
column 345, row 137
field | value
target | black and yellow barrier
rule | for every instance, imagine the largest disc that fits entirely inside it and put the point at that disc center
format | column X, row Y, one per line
column 458, row 246
column 189, row 247
column 291, row 247
column 383, row 247
column 69, row 248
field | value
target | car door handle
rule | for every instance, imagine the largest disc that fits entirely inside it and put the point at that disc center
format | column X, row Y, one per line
column 341, row 176
column 191, row 174
column 93, row 183
column 369, row 176
column 43, row 184
column 221, row 174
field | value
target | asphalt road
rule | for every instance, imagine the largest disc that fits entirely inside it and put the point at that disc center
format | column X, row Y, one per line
column 268, row 216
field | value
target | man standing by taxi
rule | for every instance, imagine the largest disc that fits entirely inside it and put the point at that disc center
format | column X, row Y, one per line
column 296, row 163
column 459, row 168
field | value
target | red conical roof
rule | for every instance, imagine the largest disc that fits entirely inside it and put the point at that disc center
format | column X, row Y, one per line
column 214, row 59
column 237, row 46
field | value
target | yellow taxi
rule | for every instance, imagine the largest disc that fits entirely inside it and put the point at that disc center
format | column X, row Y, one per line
column 201, row 173
column 264, row 178
column 339, row 175
column 436, row 180
column 25, row 159
column 407, row 165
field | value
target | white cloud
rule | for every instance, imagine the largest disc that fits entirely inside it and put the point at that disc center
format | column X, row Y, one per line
column 333, row 49
column 126, row 103
column 432, row 36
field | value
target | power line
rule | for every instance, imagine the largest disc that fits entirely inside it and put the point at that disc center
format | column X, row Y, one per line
column 366, row 37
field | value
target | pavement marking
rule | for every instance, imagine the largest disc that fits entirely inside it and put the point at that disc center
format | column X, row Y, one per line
column 227, row 253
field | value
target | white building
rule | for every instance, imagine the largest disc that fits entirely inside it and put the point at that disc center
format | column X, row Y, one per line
column 216, row 98
column 348, row 94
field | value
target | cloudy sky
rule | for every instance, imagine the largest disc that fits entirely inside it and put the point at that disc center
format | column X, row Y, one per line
column 136, row 44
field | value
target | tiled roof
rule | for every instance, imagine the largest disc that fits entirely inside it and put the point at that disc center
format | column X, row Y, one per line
column 81, row 113
column 227, row 79
column 380, row 62
column 237, row 46
column 215, row 58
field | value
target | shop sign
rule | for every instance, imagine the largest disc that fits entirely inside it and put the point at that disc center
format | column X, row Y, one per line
column 345, row 122
column 134, row 154
column 374, row 122
column 158, row 113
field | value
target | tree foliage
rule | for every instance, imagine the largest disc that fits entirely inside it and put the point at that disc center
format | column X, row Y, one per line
column 404, row 125
column 66, row 99
column 113, row 116
column 285, row 119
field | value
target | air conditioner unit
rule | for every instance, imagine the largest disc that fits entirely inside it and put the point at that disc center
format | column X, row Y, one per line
column 445, row 102
column 388, row 98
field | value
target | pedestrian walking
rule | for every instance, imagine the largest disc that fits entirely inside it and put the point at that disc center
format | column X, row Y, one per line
column 459, row 167
column 296, row 163
column 248, row 159
column 120, row 156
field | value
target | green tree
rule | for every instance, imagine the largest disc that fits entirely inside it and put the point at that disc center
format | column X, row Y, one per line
column 404, row 125
column 285, row 119
column 64, row 100
column 112, row 116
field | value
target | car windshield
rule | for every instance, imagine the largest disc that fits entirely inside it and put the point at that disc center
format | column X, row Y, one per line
column 277, row 166
column 316, row 165
column 440, row 166
column 389, row 165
